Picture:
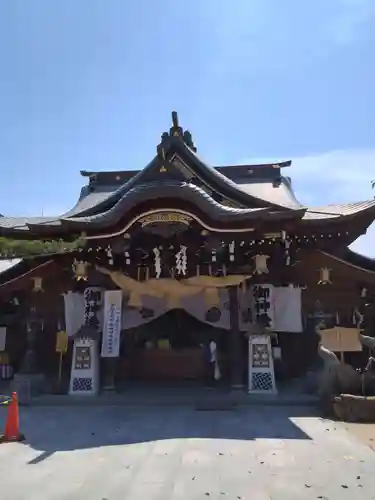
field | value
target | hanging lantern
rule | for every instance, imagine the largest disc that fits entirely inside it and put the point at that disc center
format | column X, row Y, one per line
column 261, row 263
column 38, row 284
column 79, row 268
column 325, row 276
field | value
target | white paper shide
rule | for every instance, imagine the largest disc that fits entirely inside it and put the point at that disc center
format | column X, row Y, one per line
column 112, row 324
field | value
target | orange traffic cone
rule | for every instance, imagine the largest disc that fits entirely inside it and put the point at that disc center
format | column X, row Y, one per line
column 12, row 424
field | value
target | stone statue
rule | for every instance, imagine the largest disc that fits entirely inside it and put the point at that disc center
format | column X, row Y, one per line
column 367, row 341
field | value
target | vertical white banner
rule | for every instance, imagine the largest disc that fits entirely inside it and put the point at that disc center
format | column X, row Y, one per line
column 112, row 324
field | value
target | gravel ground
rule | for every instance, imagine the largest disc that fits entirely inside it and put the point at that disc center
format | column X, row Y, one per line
column 257, row 453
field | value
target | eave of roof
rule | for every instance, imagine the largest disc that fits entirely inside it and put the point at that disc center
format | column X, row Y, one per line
column 183, row 191
column 348, row 256
column 221, row 168
column 215, row 179
column 339, row 211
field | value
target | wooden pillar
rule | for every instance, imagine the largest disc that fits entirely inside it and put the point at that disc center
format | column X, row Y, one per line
column 109, row 367
column 236, row 354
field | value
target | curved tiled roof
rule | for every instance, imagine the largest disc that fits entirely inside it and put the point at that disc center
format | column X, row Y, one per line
column 172, row 190
column 339, row 210
column 279, row 193
column 260, row 190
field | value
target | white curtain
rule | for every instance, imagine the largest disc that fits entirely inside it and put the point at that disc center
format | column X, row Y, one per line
column 213, row 312
column 288, row 309
column 262, row 301
column 74, row 312
column 93, row 298
column 151, row 309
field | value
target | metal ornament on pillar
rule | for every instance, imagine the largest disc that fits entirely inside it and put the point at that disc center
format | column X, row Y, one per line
column 80, row 269
column 38, row 284
column 84, row 378
column 261, row 263
column 324, row 276
column 261, row 369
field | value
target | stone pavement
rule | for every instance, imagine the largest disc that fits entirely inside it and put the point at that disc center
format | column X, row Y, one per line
column 178, row 453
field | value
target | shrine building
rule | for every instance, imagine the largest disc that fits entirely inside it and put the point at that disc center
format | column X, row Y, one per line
column 152, row 266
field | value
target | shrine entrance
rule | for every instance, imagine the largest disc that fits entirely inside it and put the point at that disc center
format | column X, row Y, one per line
column 172, row 349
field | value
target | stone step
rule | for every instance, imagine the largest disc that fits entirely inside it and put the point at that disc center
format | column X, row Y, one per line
column 200, row 402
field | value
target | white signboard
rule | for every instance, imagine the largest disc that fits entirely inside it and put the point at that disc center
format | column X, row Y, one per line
column 112, row 324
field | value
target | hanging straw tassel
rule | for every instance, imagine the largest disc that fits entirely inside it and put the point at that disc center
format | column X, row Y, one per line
column 173, row 302
column 135, row 300
column 212, row 297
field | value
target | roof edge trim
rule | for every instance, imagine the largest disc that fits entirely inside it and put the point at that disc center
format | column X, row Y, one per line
column 343, row 261
column 160, row 210
column 44, row 264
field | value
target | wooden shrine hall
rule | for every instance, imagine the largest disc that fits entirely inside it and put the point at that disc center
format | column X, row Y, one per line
column 181, row 271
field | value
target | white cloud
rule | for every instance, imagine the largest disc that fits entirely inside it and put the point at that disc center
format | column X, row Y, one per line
column 342, row 176
column 274, row 36
column 337, row 177
column 334, row 176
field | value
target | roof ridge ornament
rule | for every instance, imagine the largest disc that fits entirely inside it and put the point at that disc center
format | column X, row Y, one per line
column 175, row 131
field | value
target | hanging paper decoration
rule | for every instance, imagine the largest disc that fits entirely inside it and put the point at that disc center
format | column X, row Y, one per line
column 79, row 268
column 127, row 258
column 109, row 255
column 173, row 302
column 38, row 284
column 181, row 261
column 212, row 297
column 213, row 255
column 261, row 263
column 231, row 251
column 135, row 300
column 157, row 262
column 287, row 252
column 325, row 276
column 363, row 292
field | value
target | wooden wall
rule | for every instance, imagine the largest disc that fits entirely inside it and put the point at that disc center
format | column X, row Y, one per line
column 299, row 350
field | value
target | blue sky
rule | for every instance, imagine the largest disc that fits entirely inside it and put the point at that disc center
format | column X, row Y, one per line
column 90, row 84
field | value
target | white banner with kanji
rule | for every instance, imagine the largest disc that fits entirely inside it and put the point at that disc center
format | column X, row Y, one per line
column 112, row 324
